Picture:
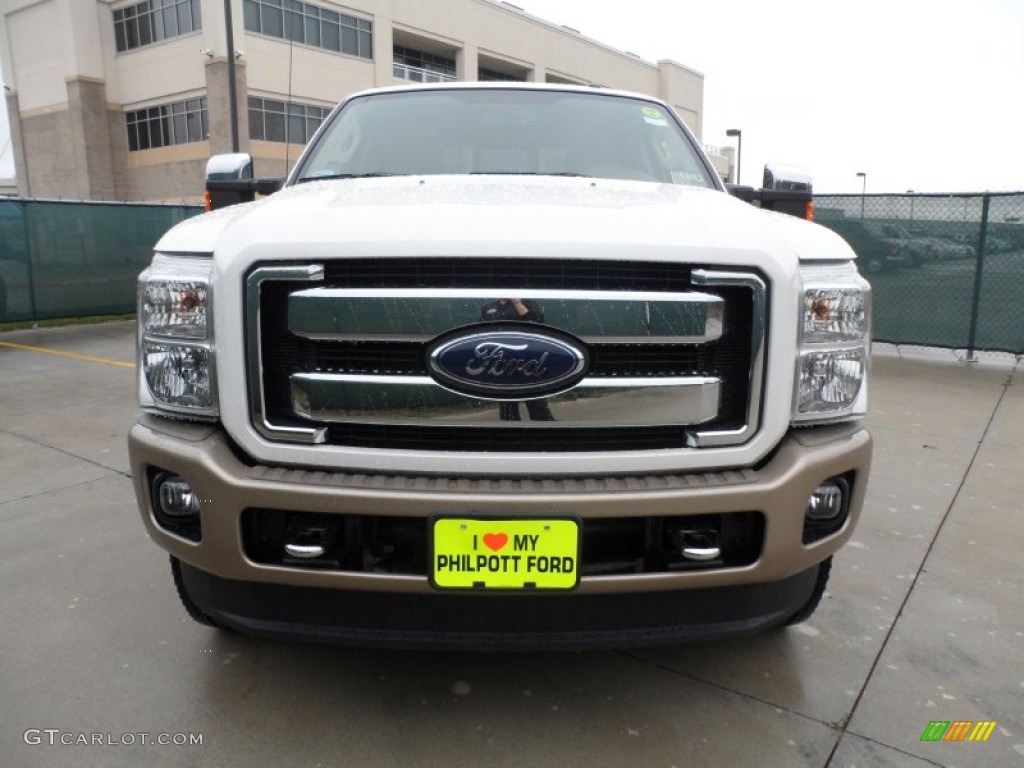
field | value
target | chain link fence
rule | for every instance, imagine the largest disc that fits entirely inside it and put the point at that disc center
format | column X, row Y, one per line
column 946, row 270
column 76, row 259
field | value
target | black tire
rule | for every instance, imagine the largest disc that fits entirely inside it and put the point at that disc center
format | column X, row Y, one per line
column 191, row 608
column 874, row 265
column 812, row 602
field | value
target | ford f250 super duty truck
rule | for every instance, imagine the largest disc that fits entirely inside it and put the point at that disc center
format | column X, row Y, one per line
column 501, row 366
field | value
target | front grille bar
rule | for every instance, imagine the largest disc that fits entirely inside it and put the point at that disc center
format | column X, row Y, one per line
column 419, row 400
column 254, row 354
column 420, row 314
column 758, row 336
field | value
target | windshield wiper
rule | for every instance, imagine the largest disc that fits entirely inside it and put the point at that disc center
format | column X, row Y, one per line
column 378, row 174
column 328, row 176
column 527, row 173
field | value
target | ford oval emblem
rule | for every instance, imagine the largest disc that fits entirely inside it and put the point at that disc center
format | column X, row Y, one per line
column 507, row 361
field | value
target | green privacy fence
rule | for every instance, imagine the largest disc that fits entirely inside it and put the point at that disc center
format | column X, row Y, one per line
column 946, row 270
column 75, row 259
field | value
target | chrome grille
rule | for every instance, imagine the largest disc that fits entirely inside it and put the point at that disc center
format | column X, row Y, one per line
column 337, row 354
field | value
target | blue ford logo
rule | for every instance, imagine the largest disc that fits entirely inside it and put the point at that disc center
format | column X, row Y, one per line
column 507, row 362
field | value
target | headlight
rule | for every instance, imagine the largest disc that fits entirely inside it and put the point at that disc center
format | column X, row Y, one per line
column 175, row 309
column 829, row 381
column 835, row 339
column 176, row 350
column 834, row 314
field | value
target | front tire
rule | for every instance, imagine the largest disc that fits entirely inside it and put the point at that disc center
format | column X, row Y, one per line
column 191, row 608
column 805, row 611
column 874, row 265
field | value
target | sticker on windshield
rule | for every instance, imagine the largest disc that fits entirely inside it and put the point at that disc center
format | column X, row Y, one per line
column 688, row 177
column 654, row 116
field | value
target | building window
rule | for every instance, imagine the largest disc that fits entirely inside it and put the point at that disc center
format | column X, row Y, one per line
column 179, row 123
column 310, row 24
column 154, row 20
column 492, row 75
column 422, row 67
column 273, row 120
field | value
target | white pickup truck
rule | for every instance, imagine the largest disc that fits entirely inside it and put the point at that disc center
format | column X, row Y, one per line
column 501, row 366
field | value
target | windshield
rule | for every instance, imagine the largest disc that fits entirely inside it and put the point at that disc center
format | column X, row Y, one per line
column 501, row 131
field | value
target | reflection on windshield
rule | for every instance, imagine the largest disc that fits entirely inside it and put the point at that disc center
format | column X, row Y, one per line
column 506, row 131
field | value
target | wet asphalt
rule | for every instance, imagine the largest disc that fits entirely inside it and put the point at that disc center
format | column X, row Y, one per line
column 923, row 620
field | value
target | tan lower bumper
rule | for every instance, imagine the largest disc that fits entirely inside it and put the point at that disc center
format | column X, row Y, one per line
column 226, row 486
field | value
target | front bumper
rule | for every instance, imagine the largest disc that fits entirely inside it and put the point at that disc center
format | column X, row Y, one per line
column 499, row 622
column 759, row 594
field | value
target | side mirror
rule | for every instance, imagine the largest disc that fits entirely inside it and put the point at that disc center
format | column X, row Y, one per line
column 786, row 189
column 788, row 178
column 229, row 181
column 234, row 166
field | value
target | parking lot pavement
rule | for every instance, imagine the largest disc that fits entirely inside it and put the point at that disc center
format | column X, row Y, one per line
column 923, row 621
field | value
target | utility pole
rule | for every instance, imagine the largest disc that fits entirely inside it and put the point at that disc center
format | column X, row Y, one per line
column 232, row 90
column 737, row 134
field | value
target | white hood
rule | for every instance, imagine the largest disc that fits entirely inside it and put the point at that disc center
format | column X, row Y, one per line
column 502, row 216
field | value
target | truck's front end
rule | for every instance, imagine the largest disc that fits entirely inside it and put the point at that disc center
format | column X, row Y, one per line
column 501, row 367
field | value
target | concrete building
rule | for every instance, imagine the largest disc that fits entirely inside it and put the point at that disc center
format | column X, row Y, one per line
column 724, row 160
column 126, row 100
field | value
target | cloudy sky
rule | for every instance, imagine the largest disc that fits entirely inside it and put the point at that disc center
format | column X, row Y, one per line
column 917, row 94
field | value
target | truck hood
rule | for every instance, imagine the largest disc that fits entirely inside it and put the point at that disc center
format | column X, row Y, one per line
column 501, row 216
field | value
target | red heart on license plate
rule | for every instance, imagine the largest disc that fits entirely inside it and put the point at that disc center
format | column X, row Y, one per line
column 495, row 541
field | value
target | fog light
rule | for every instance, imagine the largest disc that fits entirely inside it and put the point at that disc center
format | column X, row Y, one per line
column 826, row 509
column 826, row 503
column 175, row 504
column 176, row 497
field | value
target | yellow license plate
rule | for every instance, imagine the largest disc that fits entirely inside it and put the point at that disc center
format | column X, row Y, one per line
column 485, row 553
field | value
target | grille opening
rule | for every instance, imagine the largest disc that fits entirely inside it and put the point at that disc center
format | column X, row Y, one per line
column 555, row 274
column 398, row 545
column 492, row 439
column 283, row 353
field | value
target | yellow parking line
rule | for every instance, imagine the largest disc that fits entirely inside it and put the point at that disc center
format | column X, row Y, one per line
column 73, row 355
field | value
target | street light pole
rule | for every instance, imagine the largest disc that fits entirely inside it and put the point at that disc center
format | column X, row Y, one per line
column 738, row 135
column 863, row 190
column 232, row 94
